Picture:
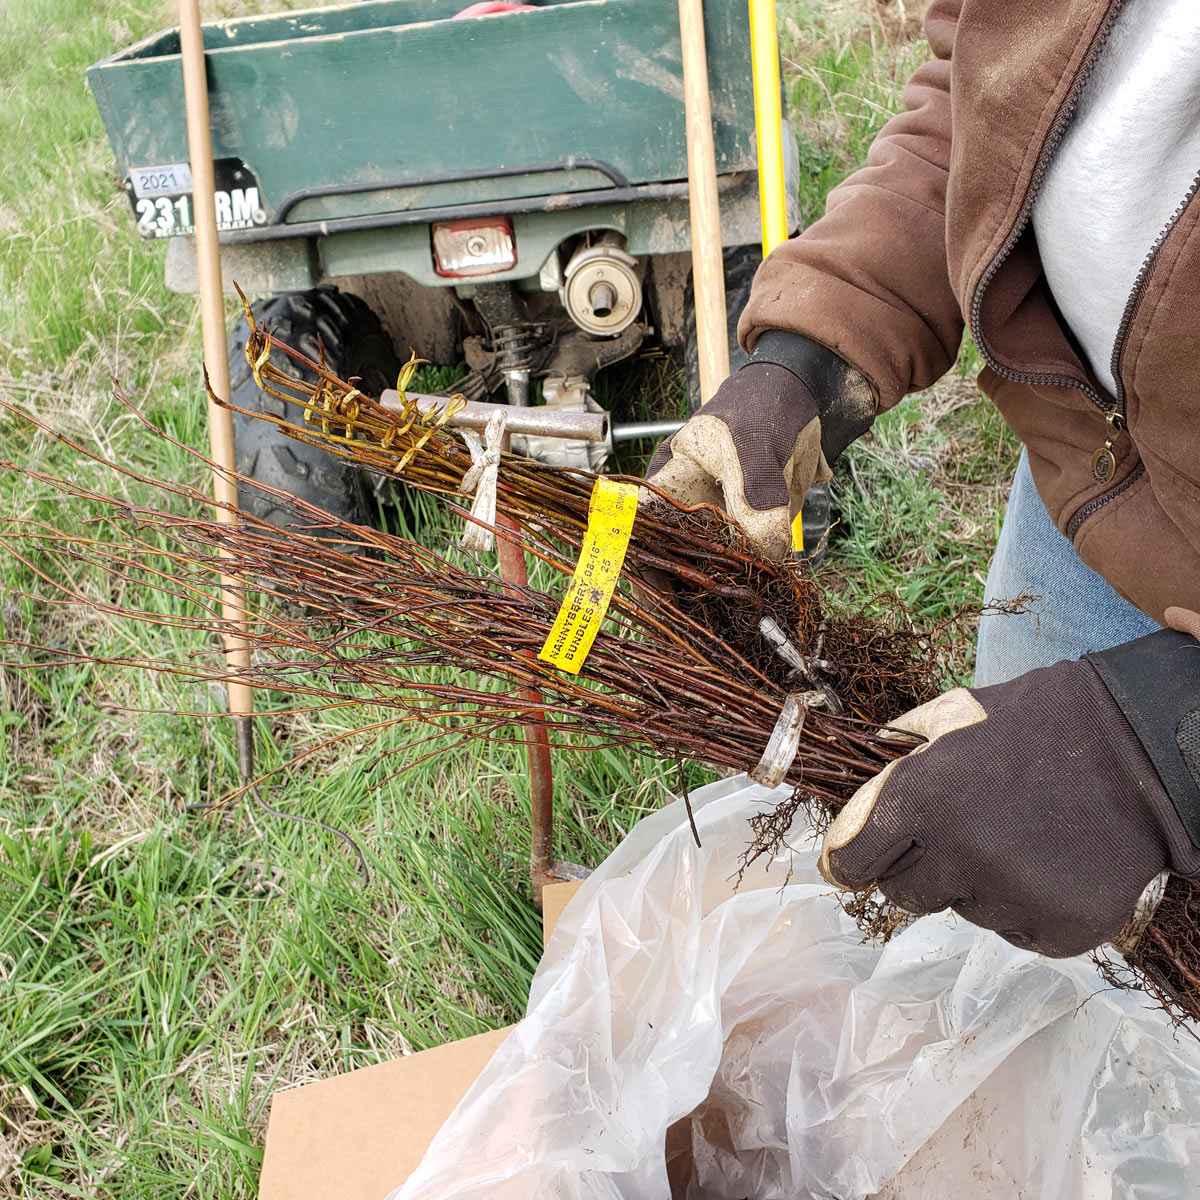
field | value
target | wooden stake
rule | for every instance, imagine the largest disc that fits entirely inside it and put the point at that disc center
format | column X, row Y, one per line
column 216, row 359
column 708, row 275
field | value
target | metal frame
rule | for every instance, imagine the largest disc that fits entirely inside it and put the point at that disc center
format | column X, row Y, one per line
column 553, row 202
column 387, row 185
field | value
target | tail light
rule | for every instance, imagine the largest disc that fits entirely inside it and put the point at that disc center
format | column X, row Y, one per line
column 462, row 249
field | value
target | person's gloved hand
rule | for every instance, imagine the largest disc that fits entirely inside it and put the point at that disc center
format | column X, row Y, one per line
column 766, row 436
column 1038, row 808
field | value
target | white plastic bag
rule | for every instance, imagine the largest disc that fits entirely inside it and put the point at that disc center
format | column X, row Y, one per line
column 787, row 1059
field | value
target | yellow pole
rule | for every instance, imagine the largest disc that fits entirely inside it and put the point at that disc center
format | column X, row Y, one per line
column 768, row 128
column 216, row 361
column 768, row 122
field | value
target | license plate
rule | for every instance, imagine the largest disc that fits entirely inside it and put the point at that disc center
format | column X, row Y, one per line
column 161, row 197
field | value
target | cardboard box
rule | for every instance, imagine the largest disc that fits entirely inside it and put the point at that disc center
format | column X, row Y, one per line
column 361, row 1134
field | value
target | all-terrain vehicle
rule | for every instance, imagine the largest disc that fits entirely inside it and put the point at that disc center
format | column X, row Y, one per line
column 509, row 190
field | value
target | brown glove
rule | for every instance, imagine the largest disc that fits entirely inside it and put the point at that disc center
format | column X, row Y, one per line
column 766, row 436
column 1035, row 809
column 754, row 449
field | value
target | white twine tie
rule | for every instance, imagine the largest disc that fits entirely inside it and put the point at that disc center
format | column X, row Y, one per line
column 1143, row 913
column 480, row 479
column 784, row 743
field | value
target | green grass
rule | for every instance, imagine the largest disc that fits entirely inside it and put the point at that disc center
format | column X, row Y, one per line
column 844, row 65
column 161, row 973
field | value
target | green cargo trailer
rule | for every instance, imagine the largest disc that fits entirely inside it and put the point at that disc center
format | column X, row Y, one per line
column 510, row 189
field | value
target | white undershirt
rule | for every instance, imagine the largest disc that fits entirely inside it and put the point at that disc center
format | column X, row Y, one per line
column 1127, row 160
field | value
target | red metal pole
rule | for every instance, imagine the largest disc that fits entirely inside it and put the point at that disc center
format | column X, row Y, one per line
column 537, row 743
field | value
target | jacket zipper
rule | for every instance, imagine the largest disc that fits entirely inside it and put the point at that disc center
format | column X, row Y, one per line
column 1094, row 506
column 1053, row 137
column 1116, row 416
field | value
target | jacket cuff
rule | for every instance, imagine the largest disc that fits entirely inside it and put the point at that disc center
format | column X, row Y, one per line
column 845, row 402
column 1155, row 682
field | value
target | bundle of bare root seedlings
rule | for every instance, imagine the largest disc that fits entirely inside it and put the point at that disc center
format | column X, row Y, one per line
column 366, row 610
column 709, row 652
column 716, row 577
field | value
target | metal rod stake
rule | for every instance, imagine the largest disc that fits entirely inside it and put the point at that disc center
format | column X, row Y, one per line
column 537, row 743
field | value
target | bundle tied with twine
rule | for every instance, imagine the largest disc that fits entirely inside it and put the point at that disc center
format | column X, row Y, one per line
column 709, row 651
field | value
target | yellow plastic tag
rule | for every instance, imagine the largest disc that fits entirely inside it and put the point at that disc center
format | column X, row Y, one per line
column 798, row 533
column 610, row 522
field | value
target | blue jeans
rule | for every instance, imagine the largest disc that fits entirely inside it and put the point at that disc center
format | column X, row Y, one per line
column 1077, row 613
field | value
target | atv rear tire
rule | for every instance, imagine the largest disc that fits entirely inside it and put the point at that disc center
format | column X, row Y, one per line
column 355, row 344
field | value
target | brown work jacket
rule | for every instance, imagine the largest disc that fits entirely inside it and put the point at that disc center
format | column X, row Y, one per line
column 935, row 230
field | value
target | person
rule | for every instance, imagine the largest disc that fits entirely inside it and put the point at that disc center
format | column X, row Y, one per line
column 1040, row 190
